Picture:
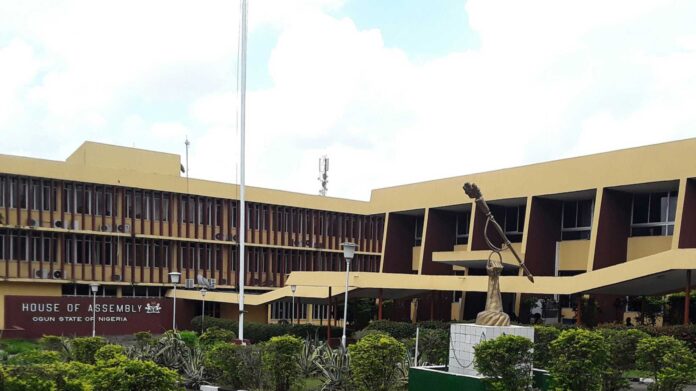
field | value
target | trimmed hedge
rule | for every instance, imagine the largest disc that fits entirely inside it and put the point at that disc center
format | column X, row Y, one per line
column 405, row 330
column 260, row 332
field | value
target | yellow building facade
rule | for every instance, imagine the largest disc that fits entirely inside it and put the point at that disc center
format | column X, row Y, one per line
column 613, row 225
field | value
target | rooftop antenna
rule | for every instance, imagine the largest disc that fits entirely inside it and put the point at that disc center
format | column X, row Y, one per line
column 187, row 143
column 323, row 174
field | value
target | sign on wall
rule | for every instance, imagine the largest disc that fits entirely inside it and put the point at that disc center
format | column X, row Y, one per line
column 39, row 315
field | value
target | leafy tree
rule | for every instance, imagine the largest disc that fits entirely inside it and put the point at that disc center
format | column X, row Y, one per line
column 110, row 352
column 280, row 360
column 374, row 360
column 670, row 361
column 223, row 365
column 506, row 362
column 578, row 360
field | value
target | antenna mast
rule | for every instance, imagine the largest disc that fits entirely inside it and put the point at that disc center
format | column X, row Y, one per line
column 323, row 174
column 187, row 143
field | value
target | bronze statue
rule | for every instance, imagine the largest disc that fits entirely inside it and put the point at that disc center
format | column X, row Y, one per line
column 493, row 314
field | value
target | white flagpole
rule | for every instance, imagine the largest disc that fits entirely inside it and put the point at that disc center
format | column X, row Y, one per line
column 242, row 207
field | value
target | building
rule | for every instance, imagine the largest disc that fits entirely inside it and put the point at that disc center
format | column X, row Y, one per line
column 609, row 225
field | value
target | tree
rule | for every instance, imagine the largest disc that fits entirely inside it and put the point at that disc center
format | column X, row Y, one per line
column 670, row 361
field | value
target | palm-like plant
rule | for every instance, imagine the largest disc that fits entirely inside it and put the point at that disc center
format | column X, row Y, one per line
column 334, row 367
column 193, row 368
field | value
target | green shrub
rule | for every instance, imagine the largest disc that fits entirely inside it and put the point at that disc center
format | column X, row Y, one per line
column 131, row 375
column 215, row 335
column 223, row 363
column 84, row 348
column 622, row 343
column 398, row 330
column 671, row 363
column 143, row 338
column 506, row 362
column 543, row 336
column 433, row 346
column 35, row 357
column 72, row 376
column 578, row 360
column 15, row 346
column 279, row 357
column 260, row 332
column 190, row 338
column 686, row 333
column 374, row 360
column 110, row 352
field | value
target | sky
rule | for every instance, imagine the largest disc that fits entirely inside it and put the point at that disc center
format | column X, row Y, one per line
column 393, row 92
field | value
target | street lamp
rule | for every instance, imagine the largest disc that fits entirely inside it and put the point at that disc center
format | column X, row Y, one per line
column 174, row 277
column 95, row 288
column 293, row 288
column 203, row 292
column 348, row 253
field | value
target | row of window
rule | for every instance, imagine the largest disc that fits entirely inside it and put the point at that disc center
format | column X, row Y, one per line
column 282, row 310
column 100, row 200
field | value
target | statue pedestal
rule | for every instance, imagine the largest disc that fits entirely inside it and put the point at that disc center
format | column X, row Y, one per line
column 464, row 336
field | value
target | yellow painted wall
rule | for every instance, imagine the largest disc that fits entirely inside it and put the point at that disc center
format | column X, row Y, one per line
column 25, row 289
column 254, row 313
column 572, row 254
column 642, row 246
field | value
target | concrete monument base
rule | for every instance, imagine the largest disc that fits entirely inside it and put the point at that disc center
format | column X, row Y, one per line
column 464, row 336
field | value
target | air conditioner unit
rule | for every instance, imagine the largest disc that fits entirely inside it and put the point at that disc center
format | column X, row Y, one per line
column 105, row 228
column 32, row 223
column 116, row 278
column 57, row 224
column 223, row 281
column 219, row 236
column 38, row 273
column 57, row 274
column 232, row 238
column 308, row 243
column 212, row 283
column 189, row 283
column 125, row 228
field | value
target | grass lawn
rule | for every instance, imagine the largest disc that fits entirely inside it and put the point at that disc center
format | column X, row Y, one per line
column 14, row 346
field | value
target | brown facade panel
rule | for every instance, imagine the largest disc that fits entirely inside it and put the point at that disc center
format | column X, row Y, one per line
column 439, row 235
column 613, row 229
column 399, row 243
column 687, row 234
column 544, row 231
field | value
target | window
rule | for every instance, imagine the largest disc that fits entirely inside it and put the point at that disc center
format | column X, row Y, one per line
column 418, row 234
column 160, row 209
column 577, row 219
column 511, row 219
column 462, row 228
column 104, row 201
column 48, row 197
column 653, row 214
column 320, row 311
column 282, row 310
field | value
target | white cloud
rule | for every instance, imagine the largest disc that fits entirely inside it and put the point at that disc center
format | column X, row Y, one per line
column 550, row 79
